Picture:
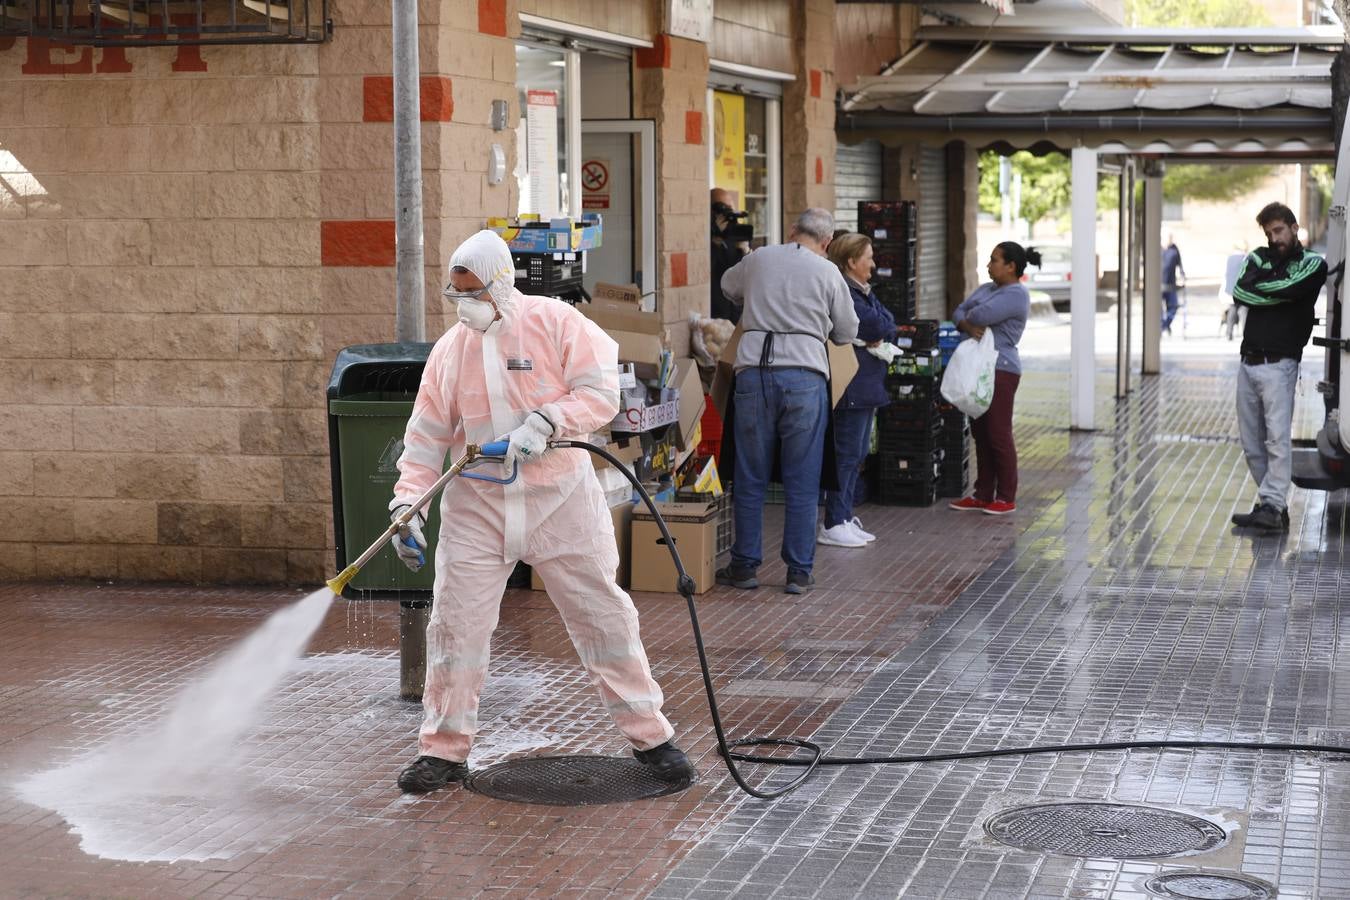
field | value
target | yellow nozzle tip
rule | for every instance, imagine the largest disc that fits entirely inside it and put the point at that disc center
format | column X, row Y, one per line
column 337, row 583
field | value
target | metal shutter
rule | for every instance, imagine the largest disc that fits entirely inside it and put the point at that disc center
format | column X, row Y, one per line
column 857, row 176
column 932, row 250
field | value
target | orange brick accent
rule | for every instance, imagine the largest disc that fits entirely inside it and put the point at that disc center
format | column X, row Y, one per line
column 436, row 94
column 655, row 57
column 40, row 62
column 820, row 171
column 815, row 82
column 492, row 17
column 361, row 243
column 693, row 127
column 679, row 269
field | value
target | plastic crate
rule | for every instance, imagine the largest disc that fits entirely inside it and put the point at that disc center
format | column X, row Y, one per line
column 901, row 214
column 907, row 417
column 912, row 388
column 547, row 273
column 907, row 493
column 909, row 444
column 917, row 466
column 922, row 362
column 921, row 332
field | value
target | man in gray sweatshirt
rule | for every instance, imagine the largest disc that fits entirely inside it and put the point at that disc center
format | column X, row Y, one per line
column 794, row 301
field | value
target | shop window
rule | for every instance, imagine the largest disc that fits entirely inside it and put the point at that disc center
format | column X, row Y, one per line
column 743, row 152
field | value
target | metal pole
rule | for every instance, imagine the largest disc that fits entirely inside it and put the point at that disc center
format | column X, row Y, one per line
column 1083, row 289
column 1153, row 204
column 410, row 314
column 1123, row 284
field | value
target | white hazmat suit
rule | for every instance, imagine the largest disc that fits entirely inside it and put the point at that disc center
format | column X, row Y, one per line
column 540, row 355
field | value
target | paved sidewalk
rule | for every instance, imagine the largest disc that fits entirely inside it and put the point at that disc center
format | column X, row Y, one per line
column 1116, row 604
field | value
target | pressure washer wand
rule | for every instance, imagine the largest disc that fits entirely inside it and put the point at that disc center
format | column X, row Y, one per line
column 472, row 453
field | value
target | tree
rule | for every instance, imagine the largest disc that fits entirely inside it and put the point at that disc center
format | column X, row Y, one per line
column 1195, row 14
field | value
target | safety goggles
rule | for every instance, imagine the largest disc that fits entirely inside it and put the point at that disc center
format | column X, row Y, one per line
column 455, row 296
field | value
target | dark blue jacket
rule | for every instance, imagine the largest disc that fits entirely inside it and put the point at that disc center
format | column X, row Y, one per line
column 867, row 390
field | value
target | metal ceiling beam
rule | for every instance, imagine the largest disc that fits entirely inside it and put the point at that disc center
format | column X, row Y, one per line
column 1310, row 36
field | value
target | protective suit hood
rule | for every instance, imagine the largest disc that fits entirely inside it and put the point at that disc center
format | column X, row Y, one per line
column 486, row 255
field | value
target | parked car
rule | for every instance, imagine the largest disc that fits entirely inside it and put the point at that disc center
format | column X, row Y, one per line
column 1054, row 276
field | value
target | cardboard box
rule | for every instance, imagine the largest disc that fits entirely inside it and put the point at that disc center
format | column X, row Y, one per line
column 843, row 366
column 701, row 529
column 561, row 235
column 692, row 401
column 634, row 419
column 615, row 309
column 623, row 519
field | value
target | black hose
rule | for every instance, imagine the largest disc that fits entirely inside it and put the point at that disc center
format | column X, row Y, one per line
column 726, row 749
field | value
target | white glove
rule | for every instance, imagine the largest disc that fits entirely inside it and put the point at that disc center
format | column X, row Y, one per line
column 530, row 440
column 885, row 351
column 413, row 557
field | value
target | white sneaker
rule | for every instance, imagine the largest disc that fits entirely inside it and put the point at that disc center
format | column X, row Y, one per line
column 841, row 535
column 858, row 530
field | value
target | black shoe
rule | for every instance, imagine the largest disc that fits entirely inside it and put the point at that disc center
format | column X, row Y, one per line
column 667, row 762
column 426, row 773
column 1269, row 519
column 798, row 582
column 1246, row 520
column 737, row 577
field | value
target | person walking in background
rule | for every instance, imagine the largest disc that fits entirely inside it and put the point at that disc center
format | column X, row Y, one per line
column 794, row 301
column 1278, row 285
column 852, row 253
column 1000, row 304
column 1171, row 269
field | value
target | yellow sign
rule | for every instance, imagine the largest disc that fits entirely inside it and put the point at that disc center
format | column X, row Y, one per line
column 729, row 145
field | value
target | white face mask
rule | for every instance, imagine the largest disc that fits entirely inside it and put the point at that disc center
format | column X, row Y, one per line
column 477, row 314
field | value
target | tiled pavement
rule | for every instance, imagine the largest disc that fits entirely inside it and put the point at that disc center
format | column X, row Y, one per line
column 1116, row 604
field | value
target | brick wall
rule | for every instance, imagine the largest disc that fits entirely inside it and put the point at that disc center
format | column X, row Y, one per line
column 187, row 238
column 808, row 113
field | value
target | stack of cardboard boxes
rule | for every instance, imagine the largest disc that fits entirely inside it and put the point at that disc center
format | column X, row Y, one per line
column 655, row 436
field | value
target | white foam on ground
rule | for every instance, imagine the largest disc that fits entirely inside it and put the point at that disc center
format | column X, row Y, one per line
column 175, row 789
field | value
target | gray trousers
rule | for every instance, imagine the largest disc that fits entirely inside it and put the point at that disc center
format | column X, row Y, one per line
column 1265, row 409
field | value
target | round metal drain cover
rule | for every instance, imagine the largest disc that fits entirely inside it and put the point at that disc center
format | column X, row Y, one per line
column 1209, row 886
column 570, row 781
column 1104, row 830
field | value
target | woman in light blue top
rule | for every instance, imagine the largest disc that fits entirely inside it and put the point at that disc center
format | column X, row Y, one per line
column 1000, row 305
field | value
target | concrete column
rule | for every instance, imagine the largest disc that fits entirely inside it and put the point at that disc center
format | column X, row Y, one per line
column 1153, row 198
column 1083, row 295
column 1124, row 282
column 963, row 187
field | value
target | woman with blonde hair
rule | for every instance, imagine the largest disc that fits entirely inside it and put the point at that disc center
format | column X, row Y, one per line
column 852, row 253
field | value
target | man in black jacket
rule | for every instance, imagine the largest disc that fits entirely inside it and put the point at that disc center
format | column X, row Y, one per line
column 1278, row 284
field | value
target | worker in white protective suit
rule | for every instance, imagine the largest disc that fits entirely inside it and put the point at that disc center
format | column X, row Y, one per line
column 531, row 370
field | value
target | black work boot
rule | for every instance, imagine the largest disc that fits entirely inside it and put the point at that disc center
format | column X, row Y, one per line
column 798, row 582
column 1243, row 520
column 667, row 762
column 737, row 577
column 1269, row 519
column 426, row 773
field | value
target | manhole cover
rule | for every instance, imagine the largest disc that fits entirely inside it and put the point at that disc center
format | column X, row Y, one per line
column 570, row 781
column 1208, row 886
column 1104, row 830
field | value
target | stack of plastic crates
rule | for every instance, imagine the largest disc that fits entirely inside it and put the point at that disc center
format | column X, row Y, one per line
column 891, row 225
column 954, row 472
column 909, row 430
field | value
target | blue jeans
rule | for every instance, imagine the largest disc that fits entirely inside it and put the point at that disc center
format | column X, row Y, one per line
column 1265, row 408
column 1169, row 296
column 780, row 412
column 852, row 435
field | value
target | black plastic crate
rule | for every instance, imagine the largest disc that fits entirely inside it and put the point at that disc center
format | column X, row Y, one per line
column 547, row 273
column 912, row 388
column 907, row 493
column 908, row 417
column 911, row 445
column 903, row 213
column 920, row 466
column 921, row 332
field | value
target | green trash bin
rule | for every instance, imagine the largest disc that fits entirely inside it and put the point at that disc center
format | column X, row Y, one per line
column 370, row 397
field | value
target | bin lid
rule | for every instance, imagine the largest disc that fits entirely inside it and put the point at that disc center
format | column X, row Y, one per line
column 366, row 367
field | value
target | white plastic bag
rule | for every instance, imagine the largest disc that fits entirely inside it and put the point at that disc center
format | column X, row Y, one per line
column 968, row 380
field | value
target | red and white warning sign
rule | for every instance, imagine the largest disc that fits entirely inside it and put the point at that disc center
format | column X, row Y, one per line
column 595, row 184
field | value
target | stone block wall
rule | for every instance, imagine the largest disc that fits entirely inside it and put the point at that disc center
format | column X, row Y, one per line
column 187, row 237
column 808, row 113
